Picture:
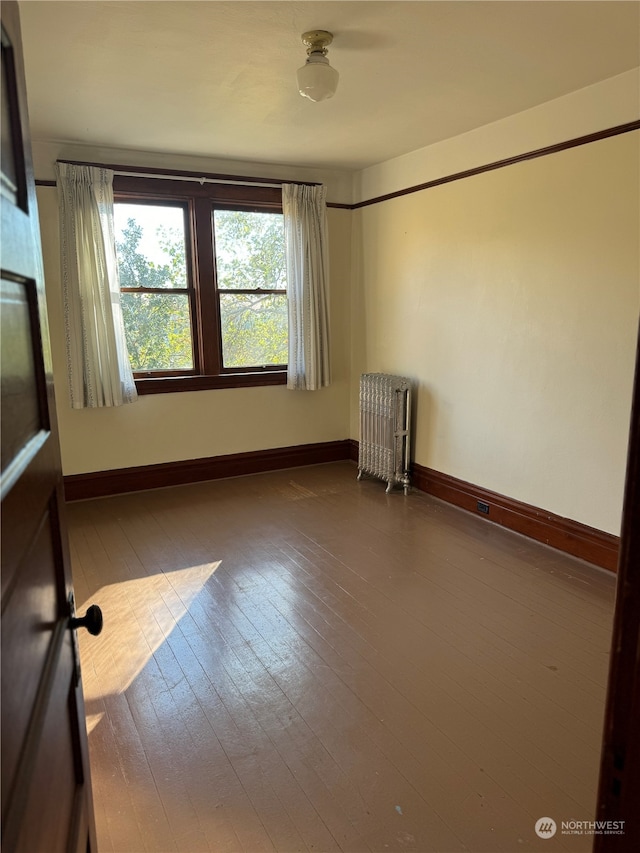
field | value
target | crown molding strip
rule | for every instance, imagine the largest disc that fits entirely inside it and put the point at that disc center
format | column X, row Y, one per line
column 509, row 161
column 447, row 179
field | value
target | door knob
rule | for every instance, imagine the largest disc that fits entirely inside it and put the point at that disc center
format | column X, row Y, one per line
column 92, row 620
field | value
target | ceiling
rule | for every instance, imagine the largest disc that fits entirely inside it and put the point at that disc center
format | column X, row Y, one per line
column 218, row 78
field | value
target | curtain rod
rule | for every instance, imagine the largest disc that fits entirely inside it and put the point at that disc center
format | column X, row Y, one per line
column 206, row 177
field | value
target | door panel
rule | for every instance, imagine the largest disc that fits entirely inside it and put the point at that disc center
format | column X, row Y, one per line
column 22, row 387
column 55, row 814
column 28, row 623
column 25, row 497
column 13, row 179
column 46, row 793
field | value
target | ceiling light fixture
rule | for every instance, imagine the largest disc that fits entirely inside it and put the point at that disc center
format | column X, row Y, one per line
column 317, row 80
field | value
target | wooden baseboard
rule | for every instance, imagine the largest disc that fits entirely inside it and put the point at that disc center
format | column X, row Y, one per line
column 100, row 484
column 566, row 535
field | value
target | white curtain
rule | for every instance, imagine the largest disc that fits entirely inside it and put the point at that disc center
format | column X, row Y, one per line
column 98, row 364
column 307, row 258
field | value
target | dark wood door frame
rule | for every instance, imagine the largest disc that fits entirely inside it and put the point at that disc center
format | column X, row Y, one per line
column 619, row 789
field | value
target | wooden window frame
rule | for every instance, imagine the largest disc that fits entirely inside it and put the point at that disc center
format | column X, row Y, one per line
column 199, row 201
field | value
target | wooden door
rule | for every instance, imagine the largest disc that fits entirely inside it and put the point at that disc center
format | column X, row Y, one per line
column 619, row 790
column 46, row 792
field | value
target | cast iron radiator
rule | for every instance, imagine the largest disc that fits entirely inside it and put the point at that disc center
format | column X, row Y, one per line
column 385, row 416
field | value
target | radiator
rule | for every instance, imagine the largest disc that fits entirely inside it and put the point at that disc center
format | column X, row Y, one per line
column 385, row 416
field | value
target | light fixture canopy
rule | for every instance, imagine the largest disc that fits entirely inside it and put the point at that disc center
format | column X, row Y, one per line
column 317, row 80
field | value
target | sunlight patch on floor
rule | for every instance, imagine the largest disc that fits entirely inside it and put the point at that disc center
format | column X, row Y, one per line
column 139, row 614
column 92, row 721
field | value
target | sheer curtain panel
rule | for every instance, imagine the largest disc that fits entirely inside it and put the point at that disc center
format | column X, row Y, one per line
column 307, row 258
column 97, row 360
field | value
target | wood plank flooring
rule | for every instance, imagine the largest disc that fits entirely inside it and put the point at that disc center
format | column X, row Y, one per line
column 296, row 661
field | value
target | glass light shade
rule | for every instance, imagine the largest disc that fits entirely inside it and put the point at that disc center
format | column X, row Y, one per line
column 317, row 80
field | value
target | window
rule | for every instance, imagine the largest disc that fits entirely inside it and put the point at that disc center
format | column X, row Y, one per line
column 203, row 283
column 155, row 294
column 252, row 287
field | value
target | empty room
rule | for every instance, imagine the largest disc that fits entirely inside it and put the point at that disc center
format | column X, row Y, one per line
column 319, row 329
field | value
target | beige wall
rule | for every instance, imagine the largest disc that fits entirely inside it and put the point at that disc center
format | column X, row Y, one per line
column 511, row 298
column 172, row 427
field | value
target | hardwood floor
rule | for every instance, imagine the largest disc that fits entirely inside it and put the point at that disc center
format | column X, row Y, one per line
column 298, row 661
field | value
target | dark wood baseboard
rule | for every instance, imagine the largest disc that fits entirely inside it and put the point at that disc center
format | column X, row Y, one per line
column 101, row 484
column 566, row 535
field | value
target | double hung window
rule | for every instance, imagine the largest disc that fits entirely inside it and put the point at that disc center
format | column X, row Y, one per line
column 203, row 283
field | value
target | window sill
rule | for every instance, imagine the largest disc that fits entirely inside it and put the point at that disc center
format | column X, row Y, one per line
column 173, row 384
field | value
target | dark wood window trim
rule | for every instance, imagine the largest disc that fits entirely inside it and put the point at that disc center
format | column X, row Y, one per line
column 171, row 384
column 198, row 201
